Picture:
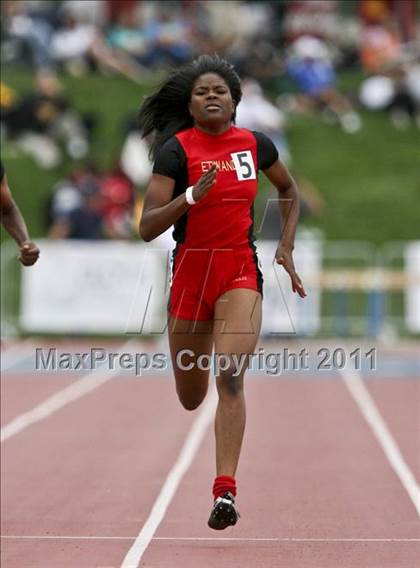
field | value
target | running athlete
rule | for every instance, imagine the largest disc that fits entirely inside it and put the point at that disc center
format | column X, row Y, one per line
column 204, row 183
column 14, row 223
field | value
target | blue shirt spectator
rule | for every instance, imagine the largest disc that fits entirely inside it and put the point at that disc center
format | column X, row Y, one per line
column 312, row 76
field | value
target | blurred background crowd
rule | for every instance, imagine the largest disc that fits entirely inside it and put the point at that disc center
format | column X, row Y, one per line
column 290, row 55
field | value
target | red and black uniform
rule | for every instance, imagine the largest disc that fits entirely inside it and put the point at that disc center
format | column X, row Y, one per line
column 215, row 249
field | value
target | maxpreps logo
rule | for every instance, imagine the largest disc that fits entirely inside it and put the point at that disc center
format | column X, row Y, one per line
column 241, row 163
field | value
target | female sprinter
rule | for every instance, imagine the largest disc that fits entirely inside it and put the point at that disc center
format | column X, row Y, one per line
column 204, row 182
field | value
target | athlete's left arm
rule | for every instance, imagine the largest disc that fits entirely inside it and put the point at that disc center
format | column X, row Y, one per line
column 280, row 177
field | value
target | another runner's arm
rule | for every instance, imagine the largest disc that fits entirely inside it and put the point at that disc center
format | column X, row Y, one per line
column 15, row 225
column 160, row 209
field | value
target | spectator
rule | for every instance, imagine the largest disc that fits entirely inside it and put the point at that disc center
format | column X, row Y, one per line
column 92, row 205
column 66, row 197
column 69, row 195
column 118, row 198
column 28, row 29
column 129, row 35
column 310, row 67
column 42, row 120
column 170, row 39
column 76, row 44
column 380, row 46
column 92, row 12
column 84, row 221
column 396, row 92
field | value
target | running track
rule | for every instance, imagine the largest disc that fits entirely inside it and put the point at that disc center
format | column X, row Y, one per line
column 114, row 473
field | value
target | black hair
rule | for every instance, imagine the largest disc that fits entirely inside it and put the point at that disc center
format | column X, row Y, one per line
column 166, row 112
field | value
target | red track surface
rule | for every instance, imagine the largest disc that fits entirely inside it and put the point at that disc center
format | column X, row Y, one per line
column 23, row 392
column 310, row 469
column 399, row 402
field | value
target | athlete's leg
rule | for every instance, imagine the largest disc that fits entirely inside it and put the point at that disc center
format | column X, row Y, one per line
column 187, row 341
column 236, row 332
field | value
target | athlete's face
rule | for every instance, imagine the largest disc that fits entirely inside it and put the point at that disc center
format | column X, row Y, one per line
column 211, row 100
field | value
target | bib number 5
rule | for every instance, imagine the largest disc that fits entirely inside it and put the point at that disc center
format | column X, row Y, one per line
column 244, row 165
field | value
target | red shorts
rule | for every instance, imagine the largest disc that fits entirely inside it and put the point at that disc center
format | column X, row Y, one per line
column 201, row 276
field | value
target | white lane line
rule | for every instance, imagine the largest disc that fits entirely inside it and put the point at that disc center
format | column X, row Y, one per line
column 369, row 410
column 58, row 400
column 15, row 353
column 287, row 539
column 209, row 539
column 180, row 467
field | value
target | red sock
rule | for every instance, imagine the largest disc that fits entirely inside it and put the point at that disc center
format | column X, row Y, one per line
column 224, row 483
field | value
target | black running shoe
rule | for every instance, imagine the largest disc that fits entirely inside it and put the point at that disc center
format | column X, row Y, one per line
column 223, row 513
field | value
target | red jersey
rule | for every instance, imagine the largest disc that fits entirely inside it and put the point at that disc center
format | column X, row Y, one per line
column 224, row 217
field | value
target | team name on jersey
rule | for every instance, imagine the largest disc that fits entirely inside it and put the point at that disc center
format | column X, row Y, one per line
column 221, row 165
column 242, row 163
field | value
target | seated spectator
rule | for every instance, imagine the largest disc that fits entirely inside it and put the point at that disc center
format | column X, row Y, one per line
column 66, row 197
column 118, row 199
column 93, row 12
column 170, row 38
column 28, row 29
column 105, row 200
column 76, row 44
column 129, row 35
column 309, row 65
column 44, row 119
column 397, row 92
column 380, row 46
column 84, row 221
column 380, row 41
column 68, row 194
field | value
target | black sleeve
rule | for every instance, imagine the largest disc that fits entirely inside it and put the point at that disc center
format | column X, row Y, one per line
column 2, row 171
column 266, row 151
column 170, row 159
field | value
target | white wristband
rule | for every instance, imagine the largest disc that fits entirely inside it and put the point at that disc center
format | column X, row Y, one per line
column 189, row 196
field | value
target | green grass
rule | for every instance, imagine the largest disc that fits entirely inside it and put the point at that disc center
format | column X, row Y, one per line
column 369, row 180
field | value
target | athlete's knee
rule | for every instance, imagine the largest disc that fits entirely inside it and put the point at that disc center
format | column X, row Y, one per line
column 190, row 404
column 230, row 382
column 191, row 401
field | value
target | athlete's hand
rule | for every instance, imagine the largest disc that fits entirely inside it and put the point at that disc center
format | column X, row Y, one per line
column 204, row 184
column 29, row 254
column 285, row 258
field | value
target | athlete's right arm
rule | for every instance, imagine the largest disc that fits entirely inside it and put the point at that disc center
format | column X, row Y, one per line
column 160, row 211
